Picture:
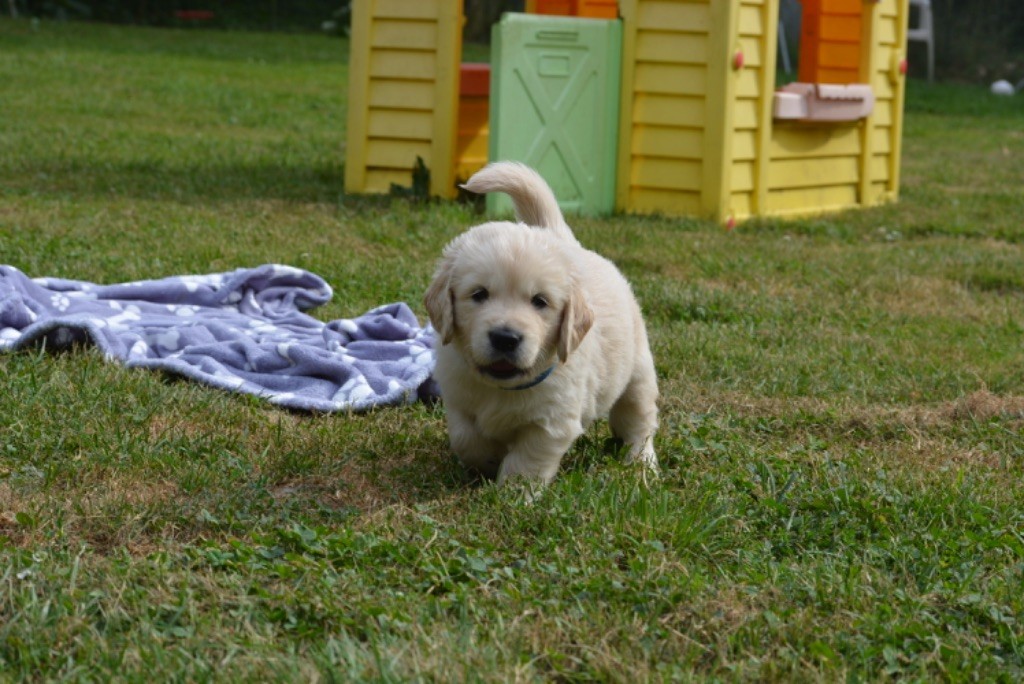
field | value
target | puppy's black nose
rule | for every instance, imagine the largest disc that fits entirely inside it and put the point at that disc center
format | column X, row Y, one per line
column 505, row 339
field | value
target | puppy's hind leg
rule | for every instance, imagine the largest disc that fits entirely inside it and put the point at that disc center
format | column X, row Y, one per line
column 634, row 417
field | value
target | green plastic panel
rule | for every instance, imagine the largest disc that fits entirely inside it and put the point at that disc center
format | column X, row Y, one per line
column 555, row 105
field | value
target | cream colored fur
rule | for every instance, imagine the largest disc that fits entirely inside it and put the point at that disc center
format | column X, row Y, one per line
column 549, row 303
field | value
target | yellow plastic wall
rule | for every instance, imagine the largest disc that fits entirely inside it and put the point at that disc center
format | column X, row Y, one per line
column 403, row 93
column 670, row 83
column 884, row 133
column 697, row 135
column 752, row 130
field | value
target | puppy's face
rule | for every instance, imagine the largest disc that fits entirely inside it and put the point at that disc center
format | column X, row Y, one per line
column 505, row 296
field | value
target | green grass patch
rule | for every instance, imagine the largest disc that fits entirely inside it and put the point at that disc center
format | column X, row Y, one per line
column 843, row 400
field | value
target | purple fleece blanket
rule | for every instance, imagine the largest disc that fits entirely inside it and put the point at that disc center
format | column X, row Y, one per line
column 243, row 331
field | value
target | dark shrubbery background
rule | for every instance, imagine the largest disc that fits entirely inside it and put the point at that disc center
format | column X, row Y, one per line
column 977, row 40
column 271, row 15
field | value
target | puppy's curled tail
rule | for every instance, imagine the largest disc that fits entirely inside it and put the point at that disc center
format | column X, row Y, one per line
column 532, row 197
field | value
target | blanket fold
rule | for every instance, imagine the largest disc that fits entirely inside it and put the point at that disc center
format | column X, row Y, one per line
column 244, row 331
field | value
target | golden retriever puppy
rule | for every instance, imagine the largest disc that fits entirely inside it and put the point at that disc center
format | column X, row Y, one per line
column 537, row 338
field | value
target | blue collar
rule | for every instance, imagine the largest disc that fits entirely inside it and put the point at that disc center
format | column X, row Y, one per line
column 536, row 381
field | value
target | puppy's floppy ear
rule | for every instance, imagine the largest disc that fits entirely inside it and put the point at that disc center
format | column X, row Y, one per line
column 577, row 318
column 438, row 299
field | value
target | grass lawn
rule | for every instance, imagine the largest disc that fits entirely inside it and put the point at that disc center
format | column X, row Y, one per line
column 843, row 400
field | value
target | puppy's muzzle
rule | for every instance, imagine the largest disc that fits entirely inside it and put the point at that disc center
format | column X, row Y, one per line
column 505, row 340
column 505, row 345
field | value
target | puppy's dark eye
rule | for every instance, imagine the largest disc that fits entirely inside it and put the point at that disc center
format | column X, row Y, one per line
column 480, row 295
column 539, row 302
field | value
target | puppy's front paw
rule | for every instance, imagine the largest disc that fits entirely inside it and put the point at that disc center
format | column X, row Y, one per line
column 522, row 490
column 649, row 474
column 521, row 472
column 535, row 456
column 644, row 455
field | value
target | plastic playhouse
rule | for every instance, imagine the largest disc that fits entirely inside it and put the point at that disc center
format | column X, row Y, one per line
column 684, row 117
